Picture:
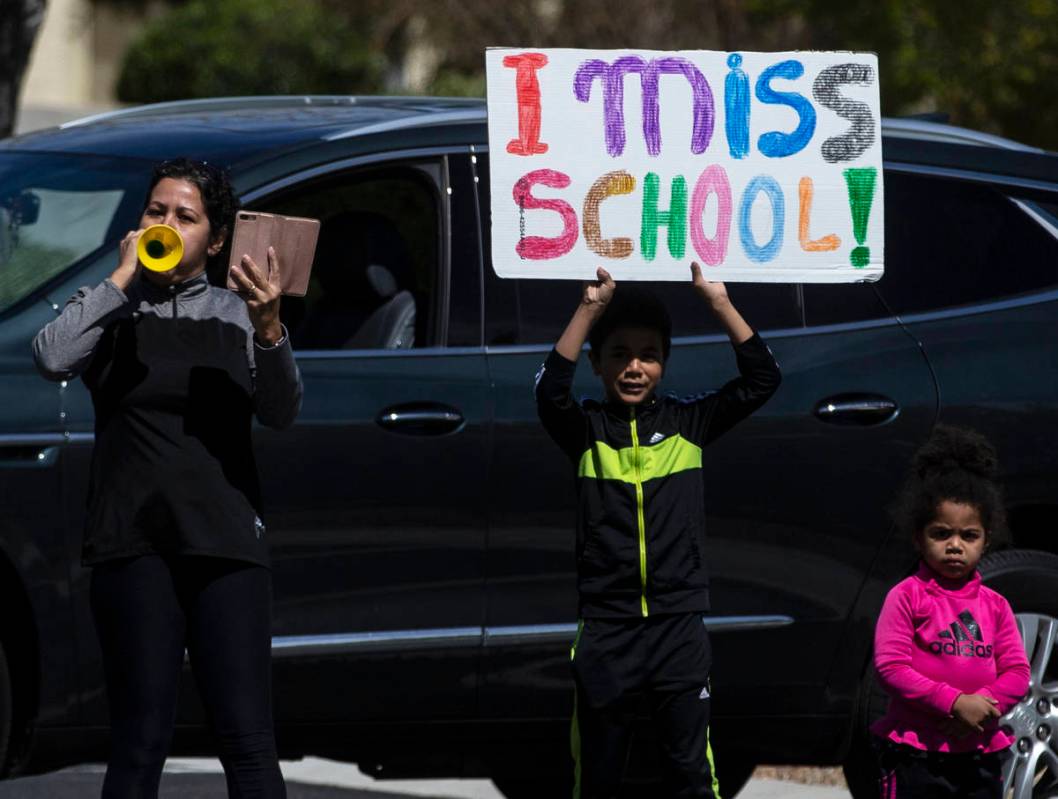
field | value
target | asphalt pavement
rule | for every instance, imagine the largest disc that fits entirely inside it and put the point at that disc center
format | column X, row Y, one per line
column 313, row 778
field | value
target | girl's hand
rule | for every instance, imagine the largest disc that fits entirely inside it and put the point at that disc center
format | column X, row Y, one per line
column 598, row 293
column 713, row 293
column 974, row 710
column 262, row 294
column 128, row 261
column 953, row 728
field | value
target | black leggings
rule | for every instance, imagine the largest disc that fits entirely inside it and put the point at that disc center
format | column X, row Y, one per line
column 147, row 609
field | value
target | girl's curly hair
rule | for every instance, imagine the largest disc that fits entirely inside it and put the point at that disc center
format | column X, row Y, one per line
column 958, row 465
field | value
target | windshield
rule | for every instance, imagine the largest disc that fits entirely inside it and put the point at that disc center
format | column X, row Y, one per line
column 57, row 209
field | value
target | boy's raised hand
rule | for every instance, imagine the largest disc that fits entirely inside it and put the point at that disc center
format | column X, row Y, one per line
column 714, row 293
column 599, row 292
column 593, row 301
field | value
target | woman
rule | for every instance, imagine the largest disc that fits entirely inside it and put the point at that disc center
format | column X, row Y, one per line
column 177, row 368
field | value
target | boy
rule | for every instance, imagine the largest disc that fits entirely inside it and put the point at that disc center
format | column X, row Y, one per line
column 640, row 527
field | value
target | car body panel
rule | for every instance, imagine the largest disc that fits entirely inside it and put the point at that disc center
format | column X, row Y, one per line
column 424, row 583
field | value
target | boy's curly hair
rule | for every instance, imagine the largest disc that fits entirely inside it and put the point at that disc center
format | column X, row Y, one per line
column 958, row 465
column 633, row 306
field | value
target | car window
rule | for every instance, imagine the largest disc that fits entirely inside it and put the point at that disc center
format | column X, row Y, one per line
column 374, row 277
column 57, row 209
column 540, row 309
column 536, row 311
column 835, row 303
column 951, row 243
column 464, row 289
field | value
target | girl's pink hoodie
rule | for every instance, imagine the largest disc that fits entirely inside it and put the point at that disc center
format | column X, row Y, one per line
column 937, row 639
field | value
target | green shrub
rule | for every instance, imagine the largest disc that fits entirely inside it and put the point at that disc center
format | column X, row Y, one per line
column 243, row 47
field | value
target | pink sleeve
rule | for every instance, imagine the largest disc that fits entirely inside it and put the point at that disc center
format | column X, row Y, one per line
column 1012, row 667
column 894, row 643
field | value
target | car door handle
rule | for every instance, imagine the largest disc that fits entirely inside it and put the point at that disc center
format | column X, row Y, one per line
column 34, row 450
column 858, row 410
column 421, row 419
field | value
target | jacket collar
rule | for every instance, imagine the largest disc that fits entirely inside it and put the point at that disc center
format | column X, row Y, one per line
column 935, row 583
column 621, row 411
column 186, row 290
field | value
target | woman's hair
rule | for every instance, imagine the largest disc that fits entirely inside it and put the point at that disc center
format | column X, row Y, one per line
column 218, row 198
column 957, row 465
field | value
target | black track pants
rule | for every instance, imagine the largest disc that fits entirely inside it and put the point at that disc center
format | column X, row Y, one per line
column 146, row 610
column 908, row 773
column 616, row 663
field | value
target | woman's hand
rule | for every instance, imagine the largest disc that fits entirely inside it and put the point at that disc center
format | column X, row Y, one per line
column 262, row 294
column 598, row 293
column 713, row 293
column 128, row 260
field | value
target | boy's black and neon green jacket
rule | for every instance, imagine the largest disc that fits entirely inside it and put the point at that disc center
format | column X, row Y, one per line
column 640, row 493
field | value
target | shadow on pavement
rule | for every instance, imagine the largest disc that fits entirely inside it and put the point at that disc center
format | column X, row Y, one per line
column 79, row 784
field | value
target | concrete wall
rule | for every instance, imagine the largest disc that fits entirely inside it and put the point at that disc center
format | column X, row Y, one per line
column 77, row 57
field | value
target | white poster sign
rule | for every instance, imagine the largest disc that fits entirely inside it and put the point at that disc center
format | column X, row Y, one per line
column 763, row 167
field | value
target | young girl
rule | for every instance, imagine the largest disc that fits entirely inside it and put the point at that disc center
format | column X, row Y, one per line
column 946, row 648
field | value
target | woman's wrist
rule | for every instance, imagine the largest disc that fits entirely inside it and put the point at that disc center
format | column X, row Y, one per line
column 122, row 277
column 270, row 335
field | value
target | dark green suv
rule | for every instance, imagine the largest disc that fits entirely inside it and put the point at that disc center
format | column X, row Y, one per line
column 421, row 521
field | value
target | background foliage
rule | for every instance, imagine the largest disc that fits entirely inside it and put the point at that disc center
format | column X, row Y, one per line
column 987, row 65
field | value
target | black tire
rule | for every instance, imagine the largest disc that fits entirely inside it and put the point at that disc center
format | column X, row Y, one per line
column 542, row 788
column 1028, row 579
column 732, row 773
column 6, row 711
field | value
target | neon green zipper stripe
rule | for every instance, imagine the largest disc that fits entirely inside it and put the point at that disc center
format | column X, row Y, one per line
column 576, row 640
column 640, row 517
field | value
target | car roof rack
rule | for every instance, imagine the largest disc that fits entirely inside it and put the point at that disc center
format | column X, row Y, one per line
column 237, row 103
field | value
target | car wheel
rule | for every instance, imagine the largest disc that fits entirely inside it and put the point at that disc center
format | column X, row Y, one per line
column 6, row 711
column 732, row 774
column 551, row 786
column 1033, row 769
column 1029, row 581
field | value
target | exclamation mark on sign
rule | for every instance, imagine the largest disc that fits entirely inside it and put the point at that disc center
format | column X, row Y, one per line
column 861, row 194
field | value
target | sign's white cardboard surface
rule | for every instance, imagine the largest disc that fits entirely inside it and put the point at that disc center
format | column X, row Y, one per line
column 763, row 167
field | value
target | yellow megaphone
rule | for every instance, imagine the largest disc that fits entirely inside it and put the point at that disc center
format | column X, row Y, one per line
column 160, row 248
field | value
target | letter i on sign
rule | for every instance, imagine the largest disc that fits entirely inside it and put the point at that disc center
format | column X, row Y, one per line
column 736, row 108
column 528, row 87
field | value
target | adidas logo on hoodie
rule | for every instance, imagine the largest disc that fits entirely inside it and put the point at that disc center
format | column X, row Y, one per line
column 963, row 639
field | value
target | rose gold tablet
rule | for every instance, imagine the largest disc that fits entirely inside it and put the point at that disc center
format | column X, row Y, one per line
column 294, row 240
